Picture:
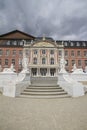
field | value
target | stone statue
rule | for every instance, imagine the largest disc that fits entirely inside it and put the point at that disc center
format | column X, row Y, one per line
column 77, row 70
column 85, row 69
column 25, row 62
column 74, row 67
column 62, row 63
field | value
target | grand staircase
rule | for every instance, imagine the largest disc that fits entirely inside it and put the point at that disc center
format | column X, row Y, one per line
column 44, row 92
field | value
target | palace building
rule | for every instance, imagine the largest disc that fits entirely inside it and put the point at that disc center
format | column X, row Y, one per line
column 43, row 53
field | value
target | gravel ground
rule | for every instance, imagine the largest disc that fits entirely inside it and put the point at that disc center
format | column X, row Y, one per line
column 43, row 114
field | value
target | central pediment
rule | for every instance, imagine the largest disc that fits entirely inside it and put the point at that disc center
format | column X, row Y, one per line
column 44, row 44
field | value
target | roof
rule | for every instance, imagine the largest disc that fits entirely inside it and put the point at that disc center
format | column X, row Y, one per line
column 14, row 32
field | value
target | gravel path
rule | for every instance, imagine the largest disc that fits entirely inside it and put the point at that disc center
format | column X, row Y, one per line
column 43, row 114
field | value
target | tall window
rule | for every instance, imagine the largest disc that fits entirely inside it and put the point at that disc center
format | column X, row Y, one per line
column 43, row 61
column 7, row 52
column 51, row 52
column 85, row 62
column 60, row 53
column 20, row 53
column 1, row 52
column 20, row 61
column 35, row 52
column 0, row 61
column 52, row 61
column 6, row 61
column 66, row 62
column 72, row 53
column 35, row 61
column 43, row 51
column 27, row 52
column 13, row 61
column 79, row 62
column 78, row 53
column 73, row 62
column 66, row 53
column 85, row 53
column 14, row 52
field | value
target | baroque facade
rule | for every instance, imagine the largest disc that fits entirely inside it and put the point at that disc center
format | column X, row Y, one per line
column 43, row 53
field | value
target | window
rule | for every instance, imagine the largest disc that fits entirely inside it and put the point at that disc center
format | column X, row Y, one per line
column 6, row 61
column 35, row 52
column 14, row 52
column 20, row 53
column 84, row 44
column 27, row 52
column 85, row 53
column 66, row 53
column 52, row 61
column 78, row 44
column 13, row 61
column 72, row 44
column 72, row 53
column 66, row 62
column 43, row 51
column 43, row 61
column 21, row 43
column 51, row 52
column 73, row 62
column 0, row 61
column 15, row 43
column 65, row 43
column 8, row 43
column 85, row 62
column 79, row 62
column 1, row 52
column 7, row 52
column 78, row 53
column 35, row 61
column 20, row 61
column 60, row 53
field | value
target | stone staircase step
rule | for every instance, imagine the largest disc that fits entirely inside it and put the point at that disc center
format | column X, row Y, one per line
column 43, row 90
column 43, row 93
column 45, row 96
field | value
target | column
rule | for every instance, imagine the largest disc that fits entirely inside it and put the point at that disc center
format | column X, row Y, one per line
column 48, row 71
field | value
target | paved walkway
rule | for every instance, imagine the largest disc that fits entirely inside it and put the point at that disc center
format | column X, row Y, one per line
column 43, row 114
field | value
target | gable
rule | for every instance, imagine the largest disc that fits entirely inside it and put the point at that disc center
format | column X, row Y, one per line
column 16, row 34
column 43, row 44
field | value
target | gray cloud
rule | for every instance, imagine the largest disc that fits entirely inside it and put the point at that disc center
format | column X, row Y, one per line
column 60, row 19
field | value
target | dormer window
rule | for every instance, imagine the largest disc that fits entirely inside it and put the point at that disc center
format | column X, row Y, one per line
column 14, row 42
column 78, row 44
column 72, row 44
column 84, row 44
column 65, row 43
column 8, row 43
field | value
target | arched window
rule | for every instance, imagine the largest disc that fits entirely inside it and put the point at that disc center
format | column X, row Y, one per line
column 52, row 61
column 43, row 61
column 35, row 61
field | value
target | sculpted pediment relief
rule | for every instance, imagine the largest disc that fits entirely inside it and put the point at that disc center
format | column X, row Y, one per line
column 44, row 44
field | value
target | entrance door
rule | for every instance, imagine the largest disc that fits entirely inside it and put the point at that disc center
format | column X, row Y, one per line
column 52, row 72
column 34, row 71
column 43, row 71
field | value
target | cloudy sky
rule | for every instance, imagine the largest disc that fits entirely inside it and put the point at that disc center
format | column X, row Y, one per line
column 60, row 19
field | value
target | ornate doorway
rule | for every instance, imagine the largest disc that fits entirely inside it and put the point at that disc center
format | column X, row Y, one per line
column 43, row 71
